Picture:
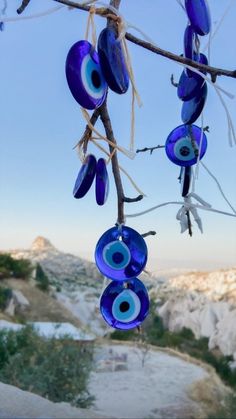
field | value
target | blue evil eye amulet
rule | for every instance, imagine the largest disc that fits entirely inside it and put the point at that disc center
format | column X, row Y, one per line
column 179, row 145
column 84, row 75
column 121, row 253
column 90, row 169
column 124, row 305
column 112, row 61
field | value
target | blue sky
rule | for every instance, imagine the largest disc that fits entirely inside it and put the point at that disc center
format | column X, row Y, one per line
column 41, row 122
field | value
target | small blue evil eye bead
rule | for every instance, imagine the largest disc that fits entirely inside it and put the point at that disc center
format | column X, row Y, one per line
column 199, row 15
column 85, row 177
column 112, row 61
column 84, row 75
column 102, row 182
column 179, row 145
column 121, row 253
column 125, row 305
column 192, row 109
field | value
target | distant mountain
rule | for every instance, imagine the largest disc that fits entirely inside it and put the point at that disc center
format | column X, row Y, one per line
column 63, row 269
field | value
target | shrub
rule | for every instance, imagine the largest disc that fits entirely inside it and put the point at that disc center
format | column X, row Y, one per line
column 20, row 268
column 5, row 296
column 55, row 369
column 41, row 278
column 228, row 410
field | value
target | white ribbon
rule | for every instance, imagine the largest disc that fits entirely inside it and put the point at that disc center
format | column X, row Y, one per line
column 189, row 206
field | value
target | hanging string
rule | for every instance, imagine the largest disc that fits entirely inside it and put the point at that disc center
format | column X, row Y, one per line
column 35, row 16
column 91, row 26
column 138, row 214
column 219, row 186
column 123, row 150
column 93, row 140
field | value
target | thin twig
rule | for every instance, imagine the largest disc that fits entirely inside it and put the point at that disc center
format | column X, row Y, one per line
column 149, row 233
column 173, row 81
column 190, row 232
column 23, row 6
column 151, row 149
column 129, row 200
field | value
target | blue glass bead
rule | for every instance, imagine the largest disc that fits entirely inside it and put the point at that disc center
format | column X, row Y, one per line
column 199, row 58
column 179, row 148
column 188, row 87
column 121, row 253
column 125, row 305
column 186, row 177
column 190, row 83
column 102, row 182
column 191, row 109
column 85, row 177
column 112, row 61
column 84, row 75
column 189, row 42
column 199, row 15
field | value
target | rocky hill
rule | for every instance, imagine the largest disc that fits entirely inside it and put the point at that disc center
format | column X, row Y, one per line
column 63, row 269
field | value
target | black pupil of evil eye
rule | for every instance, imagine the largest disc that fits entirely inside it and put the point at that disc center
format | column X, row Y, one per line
column 124, row 306
column 96, row 79
column 184, row 151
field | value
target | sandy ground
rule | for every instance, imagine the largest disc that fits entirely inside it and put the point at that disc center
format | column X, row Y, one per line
column 159, row 389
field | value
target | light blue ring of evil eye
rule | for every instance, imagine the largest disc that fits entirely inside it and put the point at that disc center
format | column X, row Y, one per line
column 116, row 254
column 181, row 144
column 132, row 300
column 88, row 66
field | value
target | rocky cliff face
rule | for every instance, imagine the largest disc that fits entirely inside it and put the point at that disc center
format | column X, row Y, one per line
column 204, row 303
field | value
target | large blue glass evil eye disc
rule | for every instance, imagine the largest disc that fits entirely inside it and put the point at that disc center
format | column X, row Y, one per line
column 199, row 15
column 116, row 254
column 179, row 145
column 124, row 306
column 112, row 61
column 84, row 75
column 85, row 177
column 121, row 254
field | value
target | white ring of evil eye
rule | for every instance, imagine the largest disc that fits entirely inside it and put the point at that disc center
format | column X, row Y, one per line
column 87, row 67
column 116, row 254
column 131, row 306
column 185, row 145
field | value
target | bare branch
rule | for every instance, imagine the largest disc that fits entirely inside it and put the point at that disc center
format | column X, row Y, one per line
column 23, row 6
column 129, row 200
column 149, row 233
column 213, row 71
column 114, row 162
column 173, row 81
column 104, row 12
column 151, row 149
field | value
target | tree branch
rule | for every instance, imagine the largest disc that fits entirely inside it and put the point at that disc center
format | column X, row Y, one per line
column 149, row 233
column 151, row 149
column 102, row 11
column 114, row 162
column 129, row 200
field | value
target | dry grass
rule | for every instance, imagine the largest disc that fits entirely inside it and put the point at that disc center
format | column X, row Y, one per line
column 43, row 307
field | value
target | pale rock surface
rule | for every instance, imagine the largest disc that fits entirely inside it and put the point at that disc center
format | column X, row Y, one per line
column 19, row 404
column 204, row 303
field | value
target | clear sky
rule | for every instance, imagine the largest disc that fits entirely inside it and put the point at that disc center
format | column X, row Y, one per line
column 41, row 122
